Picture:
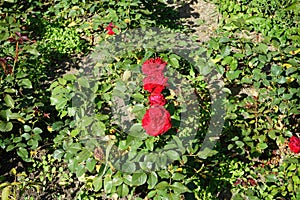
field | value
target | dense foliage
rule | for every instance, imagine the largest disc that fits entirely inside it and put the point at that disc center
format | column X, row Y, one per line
column 63, row 134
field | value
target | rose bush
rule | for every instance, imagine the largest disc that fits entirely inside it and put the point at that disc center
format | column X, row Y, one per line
column 252, row 160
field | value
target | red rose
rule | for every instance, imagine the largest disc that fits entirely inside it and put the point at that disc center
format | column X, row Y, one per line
column 153, row 66
column 155, row 83
column 109, row 28
column 156, row 121
column 157, row 99
column 294, row 144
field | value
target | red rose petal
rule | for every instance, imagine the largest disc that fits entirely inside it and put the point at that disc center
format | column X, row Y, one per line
column 294, row 144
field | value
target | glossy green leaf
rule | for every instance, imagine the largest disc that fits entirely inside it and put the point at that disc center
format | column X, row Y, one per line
column 162, row 185
column 25, row 83
column 22, row 152
column 152, row 180
column 6, row 191
column 9, row 101
column 83, row 82
column 139, row 178
column 5, row 126
column 179, row 188
column 97, row 183
column 58, row 153
column 80, row 170
column 123, row 190
column 37, row 130
column 107, row 184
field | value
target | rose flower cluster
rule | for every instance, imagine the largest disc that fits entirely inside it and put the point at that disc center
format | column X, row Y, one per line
column 157, row 119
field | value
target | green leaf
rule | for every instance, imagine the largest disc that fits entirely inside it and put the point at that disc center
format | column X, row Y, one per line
column 37, row 130
column 5, row 126
column 179, row 188
column 17, row 139
column 57, row 125
column 206, row 153
column 127, row 179
column 22, row 152
column 173, row 155
column 225, row 51
column 164, row 174
column 128, row 167
column 74, row 132
column 255, row 19
column 83, row 155
column 5, row 193
column 33, row 51
column 272, row 134
column 151, row 194
column 162, row 185
column 27, row 136
column 138, row 97
column 138, row 132
column 9, row 101
column 152, row 180
column 80, row 170
column 69, row 77
column 139, row 178
column 97, row 183
column 117, row 180
column 150, row 143
column 27, row 128
column 294, row 7
column 123, row 190
column 59, row 101
column 261, row 48
column 10, row 90
column 174, row 60
column 178, row 176
column 271, row 178
column 74, row 148
column 25, row 83
column 4, row 114
column 239, row 143
column 262, row 146
column 83, row 82
column 107, row 184
column 62, row 81
column 58, row 153
column 276, row 70
column 233, row 74
column 33, row 143
column 229, row 60
column 10, row 147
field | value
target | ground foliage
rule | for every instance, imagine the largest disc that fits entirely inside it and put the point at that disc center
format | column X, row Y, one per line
column 45, row 153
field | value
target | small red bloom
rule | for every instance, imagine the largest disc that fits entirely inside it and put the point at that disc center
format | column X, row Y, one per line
column 156, row 121
column 109, row 28
column 157, row 99
column 294, row 144
column 153, row 66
